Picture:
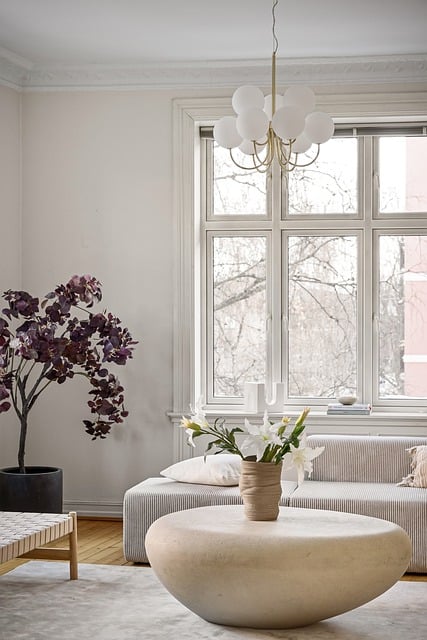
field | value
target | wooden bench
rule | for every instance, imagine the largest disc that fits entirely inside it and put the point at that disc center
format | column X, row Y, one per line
column 22, row 535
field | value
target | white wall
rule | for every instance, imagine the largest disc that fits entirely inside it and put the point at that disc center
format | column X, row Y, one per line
column 10, row 144
column 97, row 198
column 10, row 216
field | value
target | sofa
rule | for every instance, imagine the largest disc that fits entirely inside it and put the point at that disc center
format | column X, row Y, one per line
column 354, row 474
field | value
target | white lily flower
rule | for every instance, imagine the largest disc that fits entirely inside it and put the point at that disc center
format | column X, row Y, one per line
column 302, row 458
column 195, row 422
column 189, row 426
column 259, row 437
column 185, row 422
column 190, row 434
column 198, row 414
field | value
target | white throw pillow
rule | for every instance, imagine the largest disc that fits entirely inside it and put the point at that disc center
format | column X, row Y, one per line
column 222, row 469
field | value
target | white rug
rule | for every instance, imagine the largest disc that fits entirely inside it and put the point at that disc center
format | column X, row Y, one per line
column 38, row 602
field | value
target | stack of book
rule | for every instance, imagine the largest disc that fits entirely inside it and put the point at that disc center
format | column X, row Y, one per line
column 339, row 409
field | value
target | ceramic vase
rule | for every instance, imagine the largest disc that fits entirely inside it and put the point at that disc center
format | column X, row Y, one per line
column 260, row 489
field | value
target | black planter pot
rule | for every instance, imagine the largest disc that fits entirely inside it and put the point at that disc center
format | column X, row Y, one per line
column 39, row 490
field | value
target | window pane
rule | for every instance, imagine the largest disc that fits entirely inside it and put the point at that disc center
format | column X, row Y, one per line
column 403, row 317
column 403, row 184
column 330, row 184
column 239, row 309
column 322, row 315
column 237, row 191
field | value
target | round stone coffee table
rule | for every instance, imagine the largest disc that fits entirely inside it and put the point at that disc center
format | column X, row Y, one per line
column 304, row 567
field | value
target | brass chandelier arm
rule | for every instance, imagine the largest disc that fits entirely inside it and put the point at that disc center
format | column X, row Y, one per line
column 283, row 153
column 275, row 148
column 297, row 165
column 261, row 166
column 269, row 146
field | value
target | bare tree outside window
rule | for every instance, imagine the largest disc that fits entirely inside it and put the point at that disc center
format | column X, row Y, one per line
column 236, row 191
column 322, row 315
column 239, row 311
column 390, row 328
column 330, row 184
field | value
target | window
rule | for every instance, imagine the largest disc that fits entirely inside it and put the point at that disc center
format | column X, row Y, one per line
column 237, row 268
column 317, row 279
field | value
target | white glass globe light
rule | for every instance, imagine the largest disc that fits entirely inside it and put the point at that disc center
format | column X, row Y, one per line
column 319, row 127
column 247, row 97
column 301, row 144
column 301, row 97
column 252, row 124
column 288, row 122
column 268, row 106
column 247, row 147
column 225, row 133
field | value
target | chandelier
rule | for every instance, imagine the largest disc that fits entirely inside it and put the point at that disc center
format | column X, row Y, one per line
column 275, row 126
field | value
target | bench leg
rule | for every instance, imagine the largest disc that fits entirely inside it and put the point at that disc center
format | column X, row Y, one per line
column 73, row 548
column 70, row 554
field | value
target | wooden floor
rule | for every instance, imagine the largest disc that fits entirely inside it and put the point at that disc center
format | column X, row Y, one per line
column 100, row 542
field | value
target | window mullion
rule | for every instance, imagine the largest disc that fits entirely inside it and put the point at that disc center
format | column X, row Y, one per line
column 274, row 368
column 367, row 365
column 202, row 366
column 208, row 320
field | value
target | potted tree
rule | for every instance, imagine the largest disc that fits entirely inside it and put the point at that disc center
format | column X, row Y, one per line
column 51, row 341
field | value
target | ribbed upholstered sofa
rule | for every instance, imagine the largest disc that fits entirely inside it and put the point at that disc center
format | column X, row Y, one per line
column 156, row 497
column 359, row 474
column 356, row 474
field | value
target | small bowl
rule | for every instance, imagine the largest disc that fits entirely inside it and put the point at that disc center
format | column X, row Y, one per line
column 347, row 399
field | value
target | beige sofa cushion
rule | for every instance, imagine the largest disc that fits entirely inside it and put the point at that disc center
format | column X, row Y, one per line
column 355, row 458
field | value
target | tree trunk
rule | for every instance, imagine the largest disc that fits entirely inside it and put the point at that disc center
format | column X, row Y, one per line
column 22, row 441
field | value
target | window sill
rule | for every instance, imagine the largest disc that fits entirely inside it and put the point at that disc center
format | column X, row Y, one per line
column 377, row 423
column 318, row 422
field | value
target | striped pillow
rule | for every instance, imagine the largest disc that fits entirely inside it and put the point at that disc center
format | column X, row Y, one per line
column 418, row 477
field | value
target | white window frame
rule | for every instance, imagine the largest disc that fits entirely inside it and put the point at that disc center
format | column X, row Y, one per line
column 190, row 114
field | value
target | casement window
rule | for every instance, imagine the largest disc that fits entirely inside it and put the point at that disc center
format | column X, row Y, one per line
column 317, row 279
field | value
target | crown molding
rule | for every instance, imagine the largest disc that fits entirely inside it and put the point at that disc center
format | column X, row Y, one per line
column 23, row 75
column 14, row 70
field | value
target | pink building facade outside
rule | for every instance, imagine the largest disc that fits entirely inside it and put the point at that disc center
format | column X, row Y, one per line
column 415, row 275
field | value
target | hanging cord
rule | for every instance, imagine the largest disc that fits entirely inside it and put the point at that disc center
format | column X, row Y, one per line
column 275, row 40
column 273, row 59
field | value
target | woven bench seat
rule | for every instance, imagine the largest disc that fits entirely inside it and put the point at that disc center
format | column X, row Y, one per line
column 155, row 497
column 22, row 535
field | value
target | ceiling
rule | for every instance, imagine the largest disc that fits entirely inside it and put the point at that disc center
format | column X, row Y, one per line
column 53, row 33
column 137, row 31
